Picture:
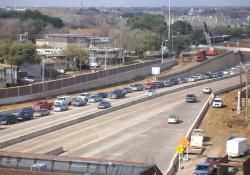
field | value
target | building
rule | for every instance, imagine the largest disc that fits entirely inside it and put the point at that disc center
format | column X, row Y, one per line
column 66, row 41
column 8, row 75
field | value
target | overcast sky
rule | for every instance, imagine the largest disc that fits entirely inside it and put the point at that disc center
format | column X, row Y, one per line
column 123, row 3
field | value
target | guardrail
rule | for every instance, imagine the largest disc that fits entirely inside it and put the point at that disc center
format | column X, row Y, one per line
column 53, row 128
column 197, row 122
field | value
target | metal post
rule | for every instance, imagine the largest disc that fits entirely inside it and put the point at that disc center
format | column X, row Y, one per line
column 179, row 167
column 43, row 77
column 162, row 52
column 169, row 19
column 247, row 95
column 105, row 60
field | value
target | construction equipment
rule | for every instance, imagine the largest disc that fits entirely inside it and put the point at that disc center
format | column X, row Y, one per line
column 211, row 50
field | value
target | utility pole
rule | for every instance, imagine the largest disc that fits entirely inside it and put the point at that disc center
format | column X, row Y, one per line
column 43, row 76
column 247, row 94
column 169, row 19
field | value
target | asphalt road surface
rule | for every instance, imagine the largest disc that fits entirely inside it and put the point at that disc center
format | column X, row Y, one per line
column 138, row 133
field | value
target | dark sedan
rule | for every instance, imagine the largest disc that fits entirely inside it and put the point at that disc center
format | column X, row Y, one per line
column 8, row 119
column 104, row 105
column 25, row 114
column 102, row 94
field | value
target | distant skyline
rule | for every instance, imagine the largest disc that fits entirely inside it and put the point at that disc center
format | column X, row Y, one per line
column 121, row 3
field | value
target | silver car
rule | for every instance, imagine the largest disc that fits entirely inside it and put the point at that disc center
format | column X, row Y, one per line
column 94, row 98
column 41, row 112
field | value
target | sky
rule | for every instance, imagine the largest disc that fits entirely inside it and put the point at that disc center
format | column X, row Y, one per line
column 122, row 3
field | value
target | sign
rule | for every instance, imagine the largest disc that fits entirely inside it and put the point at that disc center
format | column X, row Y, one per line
column 179, row 149
column 184, row 142
column 156, row 70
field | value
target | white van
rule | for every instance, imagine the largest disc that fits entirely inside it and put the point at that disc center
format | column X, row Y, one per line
column 63, row 100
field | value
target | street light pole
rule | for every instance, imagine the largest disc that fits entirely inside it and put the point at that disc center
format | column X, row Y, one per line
column 105, row 59
column 43, row 76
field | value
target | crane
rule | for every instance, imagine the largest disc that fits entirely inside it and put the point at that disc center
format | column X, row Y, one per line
column 211, row 50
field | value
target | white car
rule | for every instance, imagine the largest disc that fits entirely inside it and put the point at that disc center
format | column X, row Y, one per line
column 217, row 103
column 207, row 90
column 173, row 119
column 199, row 76
column 150, row 92
column 29, row 79
column 85, row 96
column 66, row 100
column 192, row 78
column 226, row 72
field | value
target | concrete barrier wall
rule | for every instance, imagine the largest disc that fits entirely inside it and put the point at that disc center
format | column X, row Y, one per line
column 197, row 122
column 218, row 63
column 97, row 114
column 105, row 81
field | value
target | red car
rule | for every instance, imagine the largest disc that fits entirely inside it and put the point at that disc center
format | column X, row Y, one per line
column 151, row 86
column 213, row 161
column 42, row 105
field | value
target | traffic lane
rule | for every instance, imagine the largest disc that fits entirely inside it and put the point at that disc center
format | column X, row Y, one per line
column 72, row 132
column 137, row 146
column 55, row 117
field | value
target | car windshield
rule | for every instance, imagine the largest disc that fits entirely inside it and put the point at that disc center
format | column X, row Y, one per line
column 216, row 100
column 172, row 117
column 190, row 95
column 58, row 105
column 202, row 167
column 60, row 98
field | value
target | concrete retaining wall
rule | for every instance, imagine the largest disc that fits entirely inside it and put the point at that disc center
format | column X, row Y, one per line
column 97, row 114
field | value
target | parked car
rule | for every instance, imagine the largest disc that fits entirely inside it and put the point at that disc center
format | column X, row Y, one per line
column 94, row 98
column 42, row 105
column 60, row 107
column 7, row 119
column 104, row 105
column 25, row 114
column 102, row 94
column 85, row 95
column 150, row 86
column 41, row 112
column 78, row 102
column 191, row 98
column 217, row 103
column 29, row 79
column 128, row 90
column 150, row 92
column 65, row 99
column 207, row 90
column 213, row 161
column 173, row 119
column 202, row 169
column 137, row 87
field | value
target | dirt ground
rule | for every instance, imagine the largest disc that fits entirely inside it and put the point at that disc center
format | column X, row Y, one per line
column 218, row 125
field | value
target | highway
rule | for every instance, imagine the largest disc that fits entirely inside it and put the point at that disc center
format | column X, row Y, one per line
column 137, row 133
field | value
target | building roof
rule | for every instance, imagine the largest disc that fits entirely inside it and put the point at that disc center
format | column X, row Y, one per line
column 5, row 66
column 91, row 32
column 67, row 35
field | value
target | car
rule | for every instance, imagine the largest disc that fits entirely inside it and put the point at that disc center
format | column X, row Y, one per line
column 128, row 90
column 182, row 80
column 42, row 105
column 167, row 83
column 85, row 95
column 217, row 102
column 207, row 90
column 173, row 119
column 118, row 93
column 219, row 74
column 25, row 114
column 78, row 102
column 213, row 161
column 191, row 98
column 192, row 79
column 137, row 87
column 60, row 107
column 94, row 98
column 202, row 169
column 150, row 86
column 199, row 77
column 150, row 92
column 29, row 79
column 174, row 81
column 104, row 105
column 7, row 119
column 65, row 99
column 41, row 112
column 226, row 72
column 102, row 94
column 159, row 84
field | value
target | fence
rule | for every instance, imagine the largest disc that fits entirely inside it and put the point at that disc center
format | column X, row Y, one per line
column 67, row 82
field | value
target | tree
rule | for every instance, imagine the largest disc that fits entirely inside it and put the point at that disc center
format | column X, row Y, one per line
column 181, row 28
column 16, row 53
column 197, row 37
column 78, row 53
column 153, row 23
column 139, row 41
column 180, row 43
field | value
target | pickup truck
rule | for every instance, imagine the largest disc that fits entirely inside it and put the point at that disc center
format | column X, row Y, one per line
column 42, row 105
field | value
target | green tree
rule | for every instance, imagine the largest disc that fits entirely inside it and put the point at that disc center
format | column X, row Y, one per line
column 154, row 23
column 139, row 41
column 197, row 36
column 180, row 43
column 79, row 54
column 16, row 53
column 181, row 28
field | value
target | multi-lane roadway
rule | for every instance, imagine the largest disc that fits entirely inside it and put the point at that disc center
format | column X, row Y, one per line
column 136, row 133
